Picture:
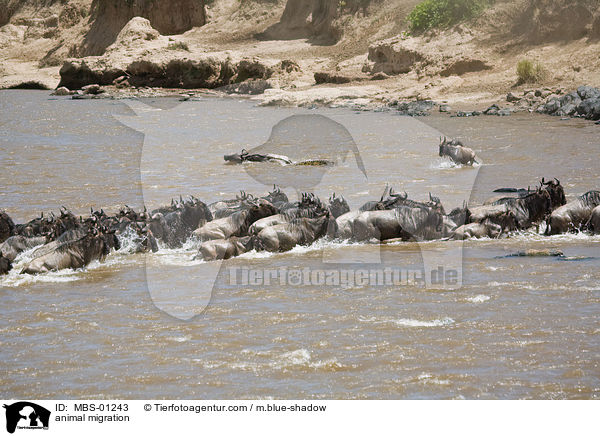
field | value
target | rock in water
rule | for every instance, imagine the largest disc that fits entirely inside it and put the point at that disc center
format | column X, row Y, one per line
column 538, row 253
column 62, row 91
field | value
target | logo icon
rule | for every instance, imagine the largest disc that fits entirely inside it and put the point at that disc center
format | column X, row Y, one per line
column 26, row 415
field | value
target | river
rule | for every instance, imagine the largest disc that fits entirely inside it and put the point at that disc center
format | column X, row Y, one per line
column 517, row 327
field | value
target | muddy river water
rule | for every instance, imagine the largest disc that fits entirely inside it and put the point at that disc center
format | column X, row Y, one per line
column 517, row 327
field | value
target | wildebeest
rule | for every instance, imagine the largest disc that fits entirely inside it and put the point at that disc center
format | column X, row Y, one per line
column 49, row 225
column 245, row 156
column 224, row 208
column 221, row 249
column 573, row 215
column 15, row 245
column 556, row 191
column 309, row 207
column 553, row 187
column 236, row 224
column 343, row 227
column 137, row 239
column 457, row 152
column 174, row 225
column 593, row 224
column 73, row 249
column 530, row 209
column 455, row 219
column 7, row 226
column 284, row 237
column 503, row 224
column 405, row 222
column 338, row 206
column 5, row 265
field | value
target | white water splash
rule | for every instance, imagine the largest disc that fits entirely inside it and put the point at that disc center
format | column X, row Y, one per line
column 479, row 298
column 407, row 322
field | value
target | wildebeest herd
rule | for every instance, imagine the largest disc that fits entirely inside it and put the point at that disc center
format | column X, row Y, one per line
column 273, row 223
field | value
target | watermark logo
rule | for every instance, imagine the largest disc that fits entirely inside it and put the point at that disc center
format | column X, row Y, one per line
column 183, row 153
column 26, row 416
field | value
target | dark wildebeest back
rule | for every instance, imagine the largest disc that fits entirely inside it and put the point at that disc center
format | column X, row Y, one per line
column 529, row 210
column 7, row 226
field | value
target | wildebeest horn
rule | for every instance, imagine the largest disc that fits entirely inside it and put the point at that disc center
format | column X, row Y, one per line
column 557, row 181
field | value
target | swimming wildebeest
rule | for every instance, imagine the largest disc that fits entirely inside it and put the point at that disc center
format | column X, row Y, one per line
column 49, row 225
column 7, row 226
column 309, row 207
column 174, row 225
column 530, row 209
column 405, row 222
column 503, row 224
column 221, row 249
column 458, row 153
column 554, row 188
column 284, row 237
column 343, row 227
column 224, row 208
column 245, row 156
column 456, row 218
column 573, row 215
column 15, row 245
column 236, row 224
column 73, row 249
column 593, row 224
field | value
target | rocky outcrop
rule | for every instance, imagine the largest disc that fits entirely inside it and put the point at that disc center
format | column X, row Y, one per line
column 394, row 56
column 425, row 55
column 417, row 108
column 168, row 72
column 167, row 16
column 583, row 102
column 556, row 20
column 312, row 19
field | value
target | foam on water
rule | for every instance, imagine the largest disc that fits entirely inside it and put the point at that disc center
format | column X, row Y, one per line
column 407, row 322
column 478, row 298
column 444, row 164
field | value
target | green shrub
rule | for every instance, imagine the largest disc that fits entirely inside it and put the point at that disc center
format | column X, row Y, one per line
column 178, row 46
column 530, row 72
column 444, row 13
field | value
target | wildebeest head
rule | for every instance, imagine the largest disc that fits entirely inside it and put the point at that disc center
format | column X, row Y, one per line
column 276, row 196
column 460, row 215
column 195, row 213
column 445, row 143
column 261, row 209
column 556, row 191
column 235, row 158
column 436, row 204
column 338, row 206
